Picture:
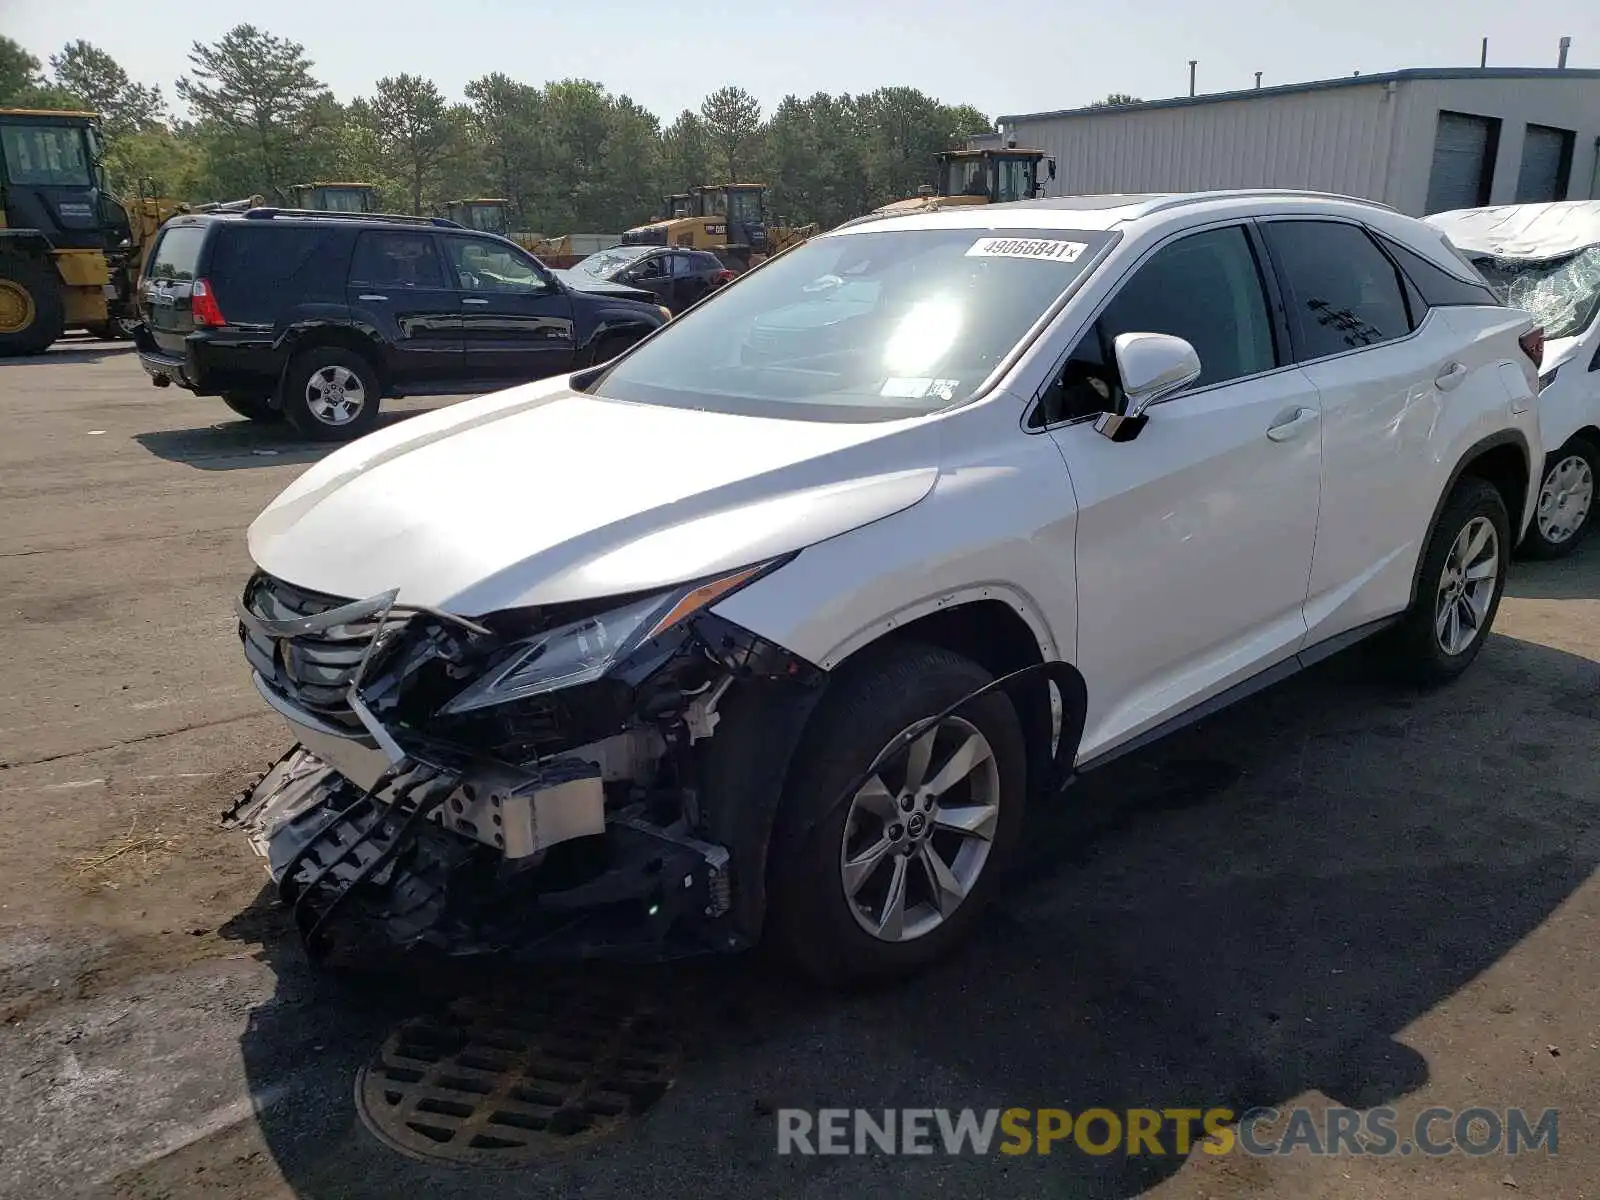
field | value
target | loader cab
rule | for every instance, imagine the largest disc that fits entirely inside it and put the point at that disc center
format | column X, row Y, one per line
column 742, row 206
column 52, row 181
column 335, row 197
column 484, row 215
column 679, row 204
column 993, row 176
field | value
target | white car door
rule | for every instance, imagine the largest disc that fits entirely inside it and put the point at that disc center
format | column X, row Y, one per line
column 1386, row 369
column 1194, row 540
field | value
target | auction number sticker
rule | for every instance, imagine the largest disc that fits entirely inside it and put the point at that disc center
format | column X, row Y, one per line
column 1049, row 249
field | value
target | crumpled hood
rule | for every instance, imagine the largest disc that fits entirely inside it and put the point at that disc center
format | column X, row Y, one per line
column 540, row 494
column 1523, row 231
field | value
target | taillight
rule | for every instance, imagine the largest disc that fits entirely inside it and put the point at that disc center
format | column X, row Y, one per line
column 203, row 305
column 724, row 276
column 1532, row 344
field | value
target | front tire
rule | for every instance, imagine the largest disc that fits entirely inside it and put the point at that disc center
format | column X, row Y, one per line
column 331, row 394
column 31, row 313
column 1566, row 500
column 899, row 874
column 1458, row 591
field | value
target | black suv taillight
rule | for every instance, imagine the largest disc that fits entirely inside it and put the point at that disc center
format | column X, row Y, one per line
column 203, row 305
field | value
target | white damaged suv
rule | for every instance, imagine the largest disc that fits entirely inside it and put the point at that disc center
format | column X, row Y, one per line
column 772, row 627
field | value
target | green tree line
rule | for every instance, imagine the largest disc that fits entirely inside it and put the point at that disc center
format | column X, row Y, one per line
column 571, row 154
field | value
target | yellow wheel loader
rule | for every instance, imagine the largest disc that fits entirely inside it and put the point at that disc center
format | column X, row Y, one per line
column 980, row 177
column 729, row 219
column 70, row 251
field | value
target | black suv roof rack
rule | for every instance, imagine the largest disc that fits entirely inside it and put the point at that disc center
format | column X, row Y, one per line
column 268, row 212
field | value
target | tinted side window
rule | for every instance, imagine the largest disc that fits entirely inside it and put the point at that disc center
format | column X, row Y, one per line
column 261, row 254
column 385, row 258
column 1438, row 287
column 1341, row 292
column 1206, row 289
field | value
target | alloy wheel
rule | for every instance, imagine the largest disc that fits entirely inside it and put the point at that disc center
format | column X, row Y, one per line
column 1565, row 497
column 1467, row 586
column 335, row 395
column 919, row 833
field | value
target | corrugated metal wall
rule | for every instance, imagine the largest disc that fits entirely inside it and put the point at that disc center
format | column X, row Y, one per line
column 1335, row 140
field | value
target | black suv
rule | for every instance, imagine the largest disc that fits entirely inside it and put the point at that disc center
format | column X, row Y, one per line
column 316, row 316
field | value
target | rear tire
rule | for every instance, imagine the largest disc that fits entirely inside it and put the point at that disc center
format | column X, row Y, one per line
column 1458, row 589
column 31, row 313
column 253, row 406
column 821, row 849
column 1567, row 499
column 330, row 394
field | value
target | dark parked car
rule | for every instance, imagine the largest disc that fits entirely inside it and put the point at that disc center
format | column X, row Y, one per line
column 676, row 278
column 318, row 316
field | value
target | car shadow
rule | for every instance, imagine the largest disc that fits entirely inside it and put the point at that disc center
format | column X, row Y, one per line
column 87, row 350
column 1575, row 577
column 1255, row 908
column 233, row 445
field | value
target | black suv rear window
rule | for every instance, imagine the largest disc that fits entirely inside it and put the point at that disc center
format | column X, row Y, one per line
column 177, row 254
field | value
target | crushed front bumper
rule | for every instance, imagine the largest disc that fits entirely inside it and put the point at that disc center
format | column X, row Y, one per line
column 386, row 860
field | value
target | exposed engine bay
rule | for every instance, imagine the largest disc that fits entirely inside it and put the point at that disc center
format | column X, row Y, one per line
column 564, row 779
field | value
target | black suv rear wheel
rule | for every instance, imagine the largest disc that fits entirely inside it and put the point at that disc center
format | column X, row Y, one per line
column 331, row 394
column 254, row 406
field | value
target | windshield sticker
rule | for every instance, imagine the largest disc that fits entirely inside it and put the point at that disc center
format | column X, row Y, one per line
column 1046, row 248
column 915, row 389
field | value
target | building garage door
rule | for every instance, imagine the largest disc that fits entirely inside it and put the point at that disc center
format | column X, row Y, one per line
column 1463, row 161
column 1546, row 159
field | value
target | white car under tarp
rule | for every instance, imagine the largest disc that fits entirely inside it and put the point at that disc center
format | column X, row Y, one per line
column 1545, row 258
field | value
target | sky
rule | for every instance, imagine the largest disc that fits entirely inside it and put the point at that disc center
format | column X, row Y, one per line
column 1001, row 56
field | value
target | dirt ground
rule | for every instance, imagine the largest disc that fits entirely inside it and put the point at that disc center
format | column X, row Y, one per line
column 1337, row 893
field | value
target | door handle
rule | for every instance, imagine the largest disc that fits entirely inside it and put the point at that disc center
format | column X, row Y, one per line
column 371, row 297
column 473, row 300
column 1289, row 426
column 1451, row 376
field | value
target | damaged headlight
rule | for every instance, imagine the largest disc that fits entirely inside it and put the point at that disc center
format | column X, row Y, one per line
column 584, row 650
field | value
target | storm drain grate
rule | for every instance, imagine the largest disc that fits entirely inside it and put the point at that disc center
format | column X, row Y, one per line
column 507, row 1079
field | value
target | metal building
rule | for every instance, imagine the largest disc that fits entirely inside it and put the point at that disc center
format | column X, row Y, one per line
column 1422, row 141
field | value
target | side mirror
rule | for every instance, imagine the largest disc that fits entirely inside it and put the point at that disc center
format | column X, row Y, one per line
column 1152, row 367
column 1052, row 163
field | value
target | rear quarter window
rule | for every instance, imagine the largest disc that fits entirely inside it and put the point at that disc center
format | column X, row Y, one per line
column 1438, row 287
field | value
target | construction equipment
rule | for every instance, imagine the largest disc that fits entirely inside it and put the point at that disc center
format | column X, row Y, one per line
column 483, row 214
column 990, row 176
column 729, row 219
column 335, row 197
column 70, row 251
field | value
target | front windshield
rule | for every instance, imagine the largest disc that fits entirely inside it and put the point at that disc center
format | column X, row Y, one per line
column 1564, row 293
column 859, row 326
column 45, row 155
column 486, row 218
column 608, row 264
column 1015, row 180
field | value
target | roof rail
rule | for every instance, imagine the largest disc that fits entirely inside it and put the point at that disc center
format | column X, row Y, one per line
column 1179, row 201
column 267, row 213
